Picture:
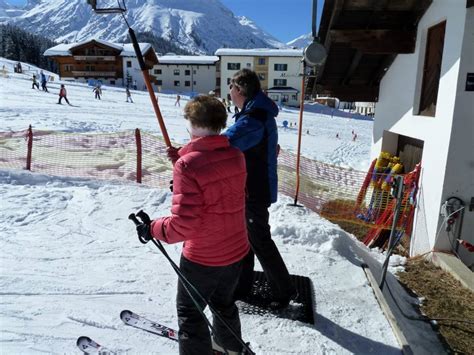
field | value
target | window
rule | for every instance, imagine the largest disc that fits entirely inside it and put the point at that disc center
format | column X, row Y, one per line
column 280, row 67
column 261, row 61
column 194, row 71
column 90, row 68
column 187, row 83
column 129, row 63
column 68, row 67
column 218, row 82
column 294, row 97
column 194, row 82
column 432, row 70
column 275, row 97
column 285, row 98
column 279, row 82
column 157, row 71
column 233, row 66
column 159, row 82
column 261, row 76
column 228, row 81
column 249, row 65
column 187, row 72
column 112, row 82
column 176, row 83
column 176, row 72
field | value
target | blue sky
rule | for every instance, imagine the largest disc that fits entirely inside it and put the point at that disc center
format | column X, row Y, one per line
column 284, row 19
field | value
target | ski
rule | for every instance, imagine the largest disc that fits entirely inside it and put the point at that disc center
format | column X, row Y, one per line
column 136, row 321
column 89, row 346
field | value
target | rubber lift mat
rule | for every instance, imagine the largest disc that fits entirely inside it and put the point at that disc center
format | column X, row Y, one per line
column 258, row 301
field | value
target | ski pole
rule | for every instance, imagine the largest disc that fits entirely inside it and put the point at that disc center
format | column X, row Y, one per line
column 190, row 288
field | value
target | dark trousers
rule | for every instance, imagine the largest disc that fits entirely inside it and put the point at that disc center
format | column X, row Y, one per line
column 217, row 285
column 268, row 255
column 63, row 97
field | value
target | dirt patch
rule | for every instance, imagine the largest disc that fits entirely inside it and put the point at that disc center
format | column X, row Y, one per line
column 444, row 297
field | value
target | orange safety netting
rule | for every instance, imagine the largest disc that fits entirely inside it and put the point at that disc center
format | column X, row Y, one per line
column 336, row 193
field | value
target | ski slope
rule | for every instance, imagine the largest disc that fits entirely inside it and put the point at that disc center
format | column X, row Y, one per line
column 70, row 259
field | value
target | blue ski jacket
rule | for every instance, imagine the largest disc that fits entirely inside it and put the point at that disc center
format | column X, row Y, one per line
column 255, row 134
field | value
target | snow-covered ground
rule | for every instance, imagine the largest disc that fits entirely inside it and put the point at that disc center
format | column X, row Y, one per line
column 70, row 260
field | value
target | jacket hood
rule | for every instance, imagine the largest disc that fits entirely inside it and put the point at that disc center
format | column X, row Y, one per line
column 261, row 101
column 205, row 143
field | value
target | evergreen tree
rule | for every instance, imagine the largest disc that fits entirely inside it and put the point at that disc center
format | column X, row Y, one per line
column 20, row 45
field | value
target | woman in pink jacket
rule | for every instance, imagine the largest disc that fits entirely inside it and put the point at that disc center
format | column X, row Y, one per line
column 208, row 215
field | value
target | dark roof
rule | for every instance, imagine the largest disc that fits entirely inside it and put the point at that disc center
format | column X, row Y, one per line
column 362, row 38
column 283, row 88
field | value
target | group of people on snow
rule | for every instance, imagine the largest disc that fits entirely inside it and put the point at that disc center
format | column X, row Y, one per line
column 223, row 186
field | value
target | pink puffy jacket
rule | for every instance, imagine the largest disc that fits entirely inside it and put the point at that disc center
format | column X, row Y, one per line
column 208, row 207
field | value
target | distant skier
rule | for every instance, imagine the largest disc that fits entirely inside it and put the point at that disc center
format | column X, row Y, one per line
column 35, row 82
column 43, row 82
column 97, row 91
column 337, row 135
column 178, row 98
column 63, row 95
column 135, row 85
column 354, row 137
column 129, row 95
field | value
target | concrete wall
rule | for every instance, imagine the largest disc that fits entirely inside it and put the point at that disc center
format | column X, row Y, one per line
column 202, row 78
column 397, row 112
column 245, row 62
column 135, row 73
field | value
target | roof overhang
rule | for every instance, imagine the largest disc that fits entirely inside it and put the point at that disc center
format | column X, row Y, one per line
column 362, row 38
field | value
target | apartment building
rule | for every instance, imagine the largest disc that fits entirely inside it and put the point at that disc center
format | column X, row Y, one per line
column 279, row 71
column 186, row 74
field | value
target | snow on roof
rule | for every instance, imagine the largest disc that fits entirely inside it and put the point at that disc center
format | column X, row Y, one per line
column 263, row 52
column 64, row 49
column 188, row 59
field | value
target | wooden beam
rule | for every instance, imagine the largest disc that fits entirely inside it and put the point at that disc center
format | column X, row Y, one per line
column 469, row 3
column 338, row 6
column 354, row 64
column 377, row 41
column 381, row 69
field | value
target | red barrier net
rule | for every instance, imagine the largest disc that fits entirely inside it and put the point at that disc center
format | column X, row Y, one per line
column 338, row 194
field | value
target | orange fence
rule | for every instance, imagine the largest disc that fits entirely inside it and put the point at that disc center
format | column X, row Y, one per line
column 336, row 193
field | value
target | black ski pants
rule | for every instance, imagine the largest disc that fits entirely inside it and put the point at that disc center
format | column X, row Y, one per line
column 268, row 255
column 63, row 97
column 217, row 285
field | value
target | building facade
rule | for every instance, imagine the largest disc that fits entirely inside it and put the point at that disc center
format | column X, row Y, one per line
column 430, row 118
column 186, row 74
column 280, row 71
column 97, row 60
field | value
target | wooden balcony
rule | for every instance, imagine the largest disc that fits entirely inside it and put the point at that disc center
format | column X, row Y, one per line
column 93, row 74
column 94, row 58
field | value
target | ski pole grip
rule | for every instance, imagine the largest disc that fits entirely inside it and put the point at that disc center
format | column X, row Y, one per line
column 133, row 218
column 144, row 217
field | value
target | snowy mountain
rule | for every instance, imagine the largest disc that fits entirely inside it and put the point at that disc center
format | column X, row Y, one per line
column 199, row 26
column 258, row 32
column 302, row 41
column 7, row 11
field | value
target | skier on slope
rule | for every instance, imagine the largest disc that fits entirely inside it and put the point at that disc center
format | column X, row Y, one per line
column 63, row 95
column 208, row 214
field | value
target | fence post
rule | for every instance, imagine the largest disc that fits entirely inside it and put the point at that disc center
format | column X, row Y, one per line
column 138, row 140
column 30, row 148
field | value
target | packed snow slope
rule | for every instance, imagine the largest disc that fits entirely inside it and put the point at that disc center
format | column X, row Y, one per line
column 198, row 26
column 70, row 260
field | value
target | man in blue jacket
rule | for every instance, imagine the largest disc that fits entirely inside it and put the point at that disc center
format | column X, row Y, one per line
column 255, row 134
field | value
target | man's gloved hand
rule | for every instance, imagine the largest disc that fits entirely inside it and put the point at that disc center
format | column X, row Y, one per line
column 172, row 154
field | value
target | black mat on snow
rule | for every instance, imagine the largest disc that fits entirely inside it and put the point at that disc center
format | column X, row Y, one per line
column 257, row 303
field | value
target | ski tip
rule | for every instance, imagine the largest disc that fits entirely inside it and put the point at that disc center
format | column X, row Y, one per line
column 125, row 313
column 83, row 339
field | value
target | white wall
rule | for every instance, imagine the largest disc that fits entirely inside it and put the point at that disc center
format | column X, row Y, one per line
column 134, row 72
column 202, row 78
column 460, row 166
column 245, row 62
column 397, row 112
column 292, row 75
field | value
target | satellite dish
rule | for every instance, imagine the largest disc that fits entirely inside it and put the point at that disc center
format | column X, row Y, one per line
column 315, row 54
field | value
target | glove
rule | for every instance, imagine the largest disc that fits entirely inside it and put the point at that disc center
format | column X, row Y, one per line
column 144, row 228
column 172, row 154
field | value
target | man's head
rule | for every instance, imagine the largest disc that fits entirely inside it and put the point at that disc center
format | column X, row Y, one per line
column 244, row 85
column 206, row 112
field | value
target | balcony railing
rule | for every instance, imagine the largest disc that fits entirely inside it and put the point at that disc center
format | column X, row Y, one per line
column 94, row 73
column 94, row 58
